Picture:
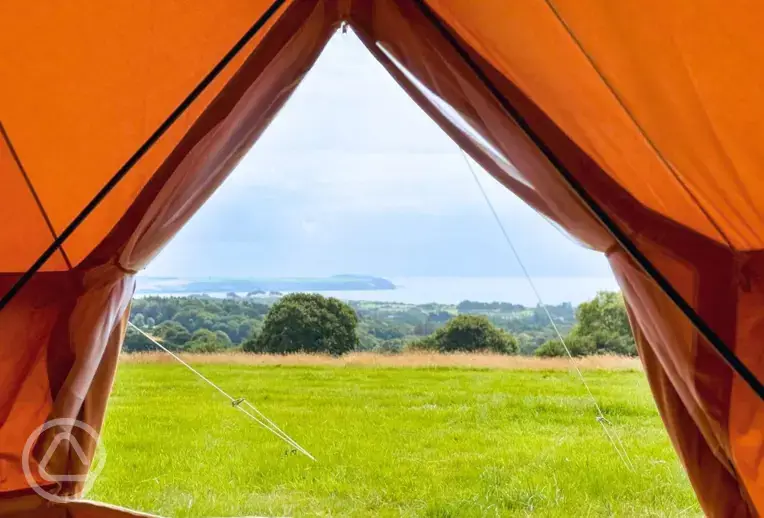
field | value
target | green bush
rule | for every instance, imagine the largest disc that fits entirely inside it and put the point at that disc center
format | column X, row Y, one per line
column 578, row 346
column 206, row 341
column 250, row 344
column 468, row 333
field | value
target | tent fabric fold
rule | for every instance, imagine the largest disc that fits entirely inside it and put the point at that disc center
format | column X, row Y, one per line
column 651, row 108
column 34, row 507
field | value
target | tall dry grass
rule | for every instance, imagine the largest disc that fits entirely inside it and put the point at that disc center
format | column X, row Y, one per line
column 414, row 359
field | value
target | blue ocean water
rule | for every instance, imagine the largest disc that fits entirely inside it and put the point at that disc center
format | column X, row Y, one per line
column 452, row 290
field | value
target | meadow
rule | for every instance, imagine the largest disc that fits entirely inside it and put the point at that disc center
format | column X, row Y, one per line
column 427, row 435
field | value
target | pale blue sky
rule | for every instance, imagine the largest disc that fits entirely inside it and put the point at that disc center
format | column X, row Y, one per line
column 352, row 177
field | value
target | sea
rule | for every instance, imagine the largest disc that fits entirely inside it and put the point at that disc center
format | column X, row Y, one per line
column 452, row 290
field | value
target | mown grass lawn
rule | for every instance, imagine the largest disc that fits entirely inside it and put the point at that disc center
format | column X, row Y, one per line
column 389, row 442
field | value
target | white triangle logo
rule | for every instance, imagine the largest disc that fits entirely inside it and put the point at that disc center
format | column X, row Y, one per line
column 74, row 444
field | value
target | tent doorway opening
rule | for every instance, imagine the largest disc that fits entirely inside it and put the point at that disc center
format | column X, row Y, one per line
column 352, row 177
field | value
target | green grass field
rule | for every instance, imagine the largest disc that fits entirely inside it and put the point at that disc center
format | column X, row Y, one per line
column 389, row 441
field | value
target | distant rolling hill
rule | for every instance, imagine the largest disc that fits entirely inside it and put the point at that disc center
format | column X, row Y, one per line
column 182, row 286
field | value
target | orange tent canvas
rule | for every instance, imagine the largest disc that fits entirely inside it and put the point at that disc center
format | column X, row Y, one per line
column 635, row 126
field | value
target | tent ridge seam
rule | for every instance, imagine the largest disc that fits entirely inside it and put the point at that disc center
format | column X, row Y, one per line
column 32, row 191
column 666, row 163
column 141, row 151
column 698, row 322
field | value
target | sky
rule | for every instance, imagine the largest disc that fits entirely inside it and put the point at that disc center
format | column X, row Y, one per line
column 353, row 178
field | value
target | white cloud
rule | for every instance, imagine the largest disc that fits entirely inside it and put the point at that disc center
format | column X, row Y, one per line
column 430, row 183
column 350, row 139
column 353, row 177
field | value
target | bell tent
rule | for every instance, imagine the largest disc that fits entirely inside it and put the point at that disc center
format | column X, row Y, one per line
column 635, row 126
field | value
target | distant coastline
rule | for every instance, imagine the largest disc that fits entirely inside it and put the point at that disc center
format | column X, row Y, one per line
column 408, row 290
column 188, row 286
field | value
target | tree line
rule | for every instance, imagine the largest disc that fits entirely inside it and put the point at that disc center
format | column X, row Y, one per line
column 304, row 322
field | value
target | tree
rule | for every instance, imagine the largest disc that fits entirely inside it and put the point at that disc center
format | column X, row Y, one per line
column 467, row 306
column 250, row 344
column 440, row 317
column 237, row 327
column 411, row 316
column 384, row 330
column 136, row 342
column 206, row 341
column 602, row 328
column 242, row 320
column 195, row 318
column 469, row 333
column 366, row 341
column 172, row 334
column 306, row 322
column 605, row 322
column 139, row 320
column 392, row 346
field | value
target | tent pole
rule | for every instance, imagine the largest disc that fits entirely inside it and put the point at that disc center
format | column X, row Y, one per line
column 727, row 354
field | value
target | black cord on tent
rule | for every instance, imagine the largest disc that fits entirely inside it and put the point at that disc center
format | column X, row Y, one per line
column 127, row 166
column 727, row 354
column 31, row 188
